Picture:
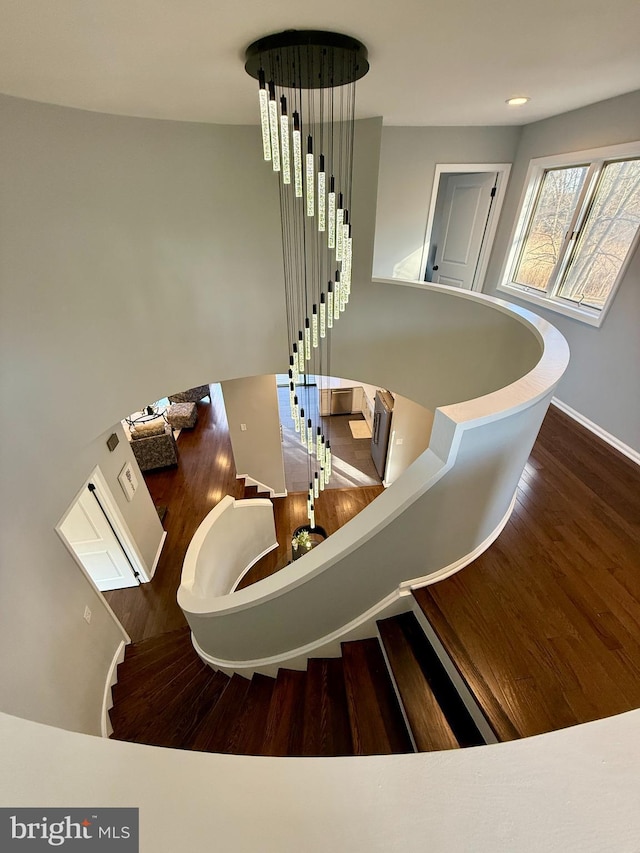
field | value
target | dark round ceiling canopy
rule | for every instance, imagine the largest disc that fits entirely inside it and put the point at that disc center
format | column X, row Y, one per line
column 307, row 59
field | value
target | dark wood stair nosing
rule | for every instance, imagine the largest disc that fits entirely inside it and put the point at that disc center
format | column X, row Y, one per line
column 426, row 720
column 380, row 728
column 492, row 730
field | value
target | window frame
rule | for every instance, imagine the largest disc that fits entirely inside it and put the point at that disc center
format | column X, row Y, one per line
column 595, row 159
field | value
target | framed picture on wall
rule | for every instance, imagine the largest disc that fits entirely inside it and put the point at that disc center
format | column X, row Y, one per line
column 128, row 481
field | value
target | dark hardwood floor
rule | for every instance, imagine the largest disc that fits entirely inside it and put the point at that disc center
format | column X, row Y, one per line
column 545, row 625
column 204, row 475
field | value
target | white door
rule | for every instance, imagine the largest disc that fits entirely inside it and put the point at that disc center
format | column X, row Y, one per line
column 89, row 534
column 465, row 213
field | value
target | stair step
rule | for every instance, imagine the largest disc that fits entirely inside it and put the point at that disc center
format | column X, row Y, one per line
column 495, row 714
column 215, row 727
column 326, row 715
column 285, row 722
column 130, row 715
column 377, row 724
column 153, row 645
column 428, row 724
column 136, row 681
column 247, row 735
column 166, row 722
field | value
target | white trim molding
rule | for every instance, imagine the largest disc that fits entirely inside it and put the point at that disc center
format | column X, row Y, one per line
column 614, row 442
column 157, row 556
column 249, row 481
column 107, row 698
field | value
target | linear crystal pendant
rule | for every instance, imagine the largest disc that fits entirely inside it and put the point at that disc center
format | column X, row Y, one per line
column 307, row 339
column 273, row 126
column 293, row 364
column 301, row 367
column 331, row 213
column 316, row 485
column 330, row 305
column 312, row 516
column 303, row 428
column 296, row 414
column 323, row 316
column 310, row 178
column 322, row 481
column 314, row 327
column 328, row 460
column 346, row 265
column 339, row 232
column 337, row 297
column 322, row 200
column 318, row 444
column 309, row 437
column 284, row 141
column 292, row 396
column 297, row 155
column 264, row 116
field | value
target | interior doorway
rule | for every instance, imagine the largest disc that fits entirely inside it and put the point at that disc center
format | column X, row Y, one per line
column 98, row 539
column 463, row 215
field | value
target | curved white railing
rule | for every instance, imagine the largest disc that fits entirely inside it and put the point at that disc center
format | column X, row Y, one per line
column 231, row 538
column 446, row 508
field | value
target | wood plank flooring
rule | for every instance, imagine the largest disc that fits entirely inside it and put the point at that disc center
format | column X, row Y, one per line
column 204, row 475
column 545, row 626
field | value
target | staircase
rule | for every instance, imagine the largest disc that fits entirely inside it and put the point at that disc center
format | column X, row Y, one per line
column 382, row 696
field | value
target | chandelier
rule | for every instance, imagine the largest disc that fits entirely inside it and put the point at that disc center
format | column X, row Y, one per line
column 306, row 87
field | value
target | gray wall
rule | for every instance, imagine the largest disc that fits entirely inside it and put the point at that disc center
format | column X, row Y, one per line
column 408, row 159
column 601, row 382
column 137, row 257
column 257, row 450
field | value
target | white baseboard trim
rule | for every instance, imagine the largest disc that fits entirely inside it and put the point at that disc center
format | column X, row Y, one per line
column 627, row 451
column 454, row 567
column 107, row 699
column 249, row 481
column 158, row 552
column 252, row 564
column 364, row 626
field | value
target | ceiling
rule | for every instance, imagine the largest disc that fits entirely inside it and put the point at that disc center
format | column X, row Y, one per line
column 442, row 62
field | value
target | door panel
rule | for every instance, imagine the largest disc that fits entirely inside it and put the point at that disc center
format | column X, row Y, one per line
column 90, row 536
column 465, row 213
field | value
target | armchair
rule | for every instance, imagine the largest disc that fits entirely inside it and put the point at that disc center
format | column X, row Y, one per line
column 153, row 445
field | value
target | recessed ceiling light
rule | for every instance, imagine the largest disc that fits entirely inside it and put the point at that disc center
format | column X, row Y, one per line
column 517, row 102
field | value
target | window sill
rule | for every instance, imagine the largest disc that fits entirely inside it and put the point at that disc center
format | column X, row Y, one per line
column 584, row 315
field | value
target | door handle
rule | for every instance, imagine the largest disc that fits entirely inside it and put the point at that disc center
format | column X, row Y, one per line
column 436, row 268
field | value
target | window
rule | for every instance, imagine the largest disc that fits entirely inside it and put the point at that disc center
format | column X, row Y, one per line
column 578, row 225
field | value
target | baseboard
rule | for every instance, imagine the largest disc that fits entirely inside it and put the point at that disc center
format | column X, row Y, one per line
column 252, row 564
column 249, row 481
column 107, row 699
column 454, row 567
column 614, row 442
column 154, row 566
column 363, row 627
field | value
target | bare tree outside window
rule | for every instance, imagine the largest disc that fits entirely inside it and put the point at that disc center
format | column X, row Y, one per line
column 552, row 214
column 606, row 236
column 578, row 225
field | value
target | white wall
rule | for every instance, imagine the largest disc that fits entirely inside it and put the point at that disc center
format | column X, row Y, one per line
column 257, row 450
column 573, row 791
column 410, row 433
column 602, row 380
column 408, row 159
